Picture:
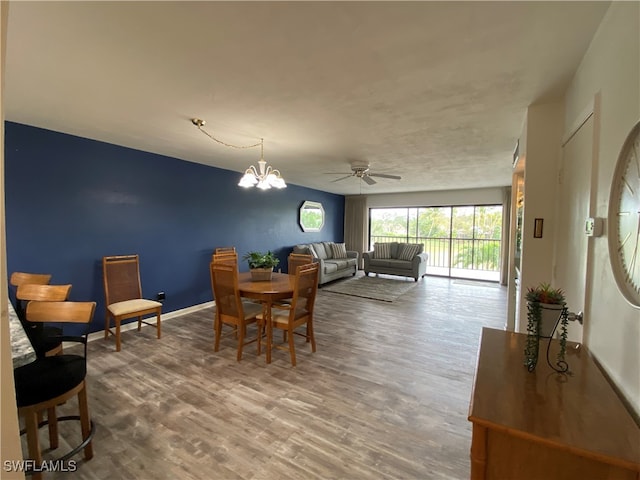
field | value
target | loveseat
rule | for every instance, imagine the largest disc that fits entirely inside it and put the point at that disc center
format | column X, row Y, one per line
column 394, row 258
column 335, row 260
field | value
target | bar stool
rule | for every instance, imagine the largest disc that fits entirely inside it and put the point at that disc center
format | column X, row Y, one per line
column 50, row 381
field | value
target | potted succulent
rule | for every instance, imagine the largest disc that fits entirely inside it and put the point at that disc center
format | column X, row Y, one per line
column 551, row 301
column 546, row 308
column 261, row 264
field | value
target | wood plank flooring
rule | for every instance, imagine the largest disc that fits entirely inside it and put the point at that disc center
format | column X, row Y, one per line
column 385, row 396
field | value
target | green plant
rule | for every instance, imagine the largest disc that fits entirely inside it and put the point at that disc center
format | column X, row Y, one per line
column 543, row 293
column 261, row 260
column 536, row 296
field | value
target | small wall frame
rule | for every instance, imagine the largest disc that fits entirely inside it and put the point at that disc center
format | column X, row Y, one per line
column 311, row 216
column 537, row 227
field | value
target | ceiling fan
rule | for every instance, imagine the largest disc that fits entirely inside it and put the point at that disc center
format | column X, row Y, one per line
column 363, row 172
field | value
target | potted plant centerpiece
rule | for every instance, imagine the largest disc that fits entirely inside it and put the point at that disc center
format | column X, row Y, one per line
column 261, row 264
column 546, row 308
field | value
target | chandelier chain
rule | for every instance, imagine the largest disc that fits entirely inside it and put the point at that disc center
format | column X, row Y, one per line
column 264, row 177
column 225, row 143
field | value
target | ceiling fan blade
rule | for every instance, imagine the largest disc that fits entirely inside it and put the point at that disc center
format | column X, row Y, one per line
column 385, row 175
column 341, row 178
column 369, row 180
column 337, row 173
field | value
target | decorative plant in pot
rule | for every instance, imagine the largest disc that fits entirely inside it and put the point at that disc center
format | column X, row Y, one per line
column 546, row 308
column 261, row 264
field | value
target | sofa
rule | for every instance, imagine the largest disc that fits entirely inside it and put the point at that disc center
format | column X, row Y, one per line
column 335, row 260
column 394, row 258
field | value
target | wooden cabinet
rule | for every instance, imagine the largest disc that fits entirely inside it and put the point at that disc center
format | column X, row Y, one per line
column 543, row 425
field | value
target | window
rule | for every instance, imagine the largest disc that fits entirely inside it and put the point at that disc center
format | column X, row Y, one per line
column 311, row 216
column 462, row 241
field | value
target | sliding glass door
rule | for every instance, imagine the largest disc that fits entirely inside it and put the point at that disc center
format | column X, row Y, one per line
column 462, row 241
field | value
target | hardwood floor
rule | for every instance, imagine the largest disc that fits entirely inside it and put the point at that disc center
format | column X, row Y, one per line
column 385, row 396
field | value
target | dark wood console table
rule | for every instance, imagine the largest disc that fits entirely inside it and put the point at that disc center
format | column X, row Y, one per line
column 543, row 425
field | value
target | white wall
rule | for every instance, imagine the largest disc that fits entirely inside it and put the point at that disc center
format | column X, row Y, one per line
column 543, row 131
column 611, row 66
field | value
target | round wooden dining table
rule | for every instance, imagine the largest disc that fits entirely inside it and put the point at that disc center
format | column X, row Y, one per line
column 280, row 286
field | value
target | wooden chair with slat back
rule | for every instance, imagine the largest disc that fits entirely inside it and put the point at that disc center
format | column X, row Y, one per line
column 300, row 312
column 297, row 259
column 50, row 381
column 230, row 258
column 225, row 250
column 230, row 308
column 294, row 261
column 123, row 295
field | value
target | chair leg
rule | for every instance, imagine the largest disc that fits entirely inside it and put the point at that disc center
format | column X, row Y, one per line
column 139, row 323
column 107, row 324
column 85, row 422
column 242, row 330
column 269, row 327
column 31, row 424
column 310, row 336
column 217, row 325
column 117, row 334
column 53, row 427
column 292, row 347
column 158, row 325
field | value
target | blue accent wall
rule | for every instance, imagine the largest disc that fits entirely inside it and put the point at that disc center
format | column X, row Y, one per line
column 70, row 201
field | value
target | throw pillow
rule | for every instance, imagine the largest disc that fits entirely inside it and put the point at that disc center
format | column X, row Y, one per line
column 409, row 251
column 321, row 253
column 382, row 250
column 339, row 250
column 304, row 249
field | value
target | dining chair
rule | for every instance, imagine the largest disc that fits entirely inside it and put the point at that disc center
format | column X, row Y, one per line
column 294, row 261
column 225, row 250
column 50, row 381
column 231, row 309
column 230, row 258
column 297, row 259
column 123, row 295
column 300, row 312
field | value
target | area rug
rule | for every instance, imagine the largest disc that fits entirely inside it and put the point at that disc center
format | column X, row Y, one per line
column 376, row 288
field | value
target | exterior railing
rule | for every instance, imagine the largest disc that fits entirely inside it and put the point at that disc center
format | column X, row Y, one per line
column 460, row 253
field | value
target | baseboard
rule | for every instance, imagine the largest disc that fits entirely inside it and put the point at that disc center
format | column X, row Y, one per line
column 165, row 316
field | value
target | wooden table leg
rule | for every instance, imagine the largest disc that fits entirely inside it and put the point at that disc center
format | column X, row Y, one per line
column 269, row 329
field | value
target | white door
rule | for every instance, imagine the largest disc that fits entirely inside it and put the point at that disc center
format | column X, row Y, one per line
column 571, row 243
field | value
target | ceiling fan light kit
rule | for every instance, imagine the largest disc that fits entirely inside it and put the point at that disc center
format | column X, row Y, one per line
column 264, row 177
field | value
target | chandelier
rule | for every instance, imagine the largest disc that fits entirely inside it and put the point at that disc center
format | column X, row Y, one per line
column 264, row 177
